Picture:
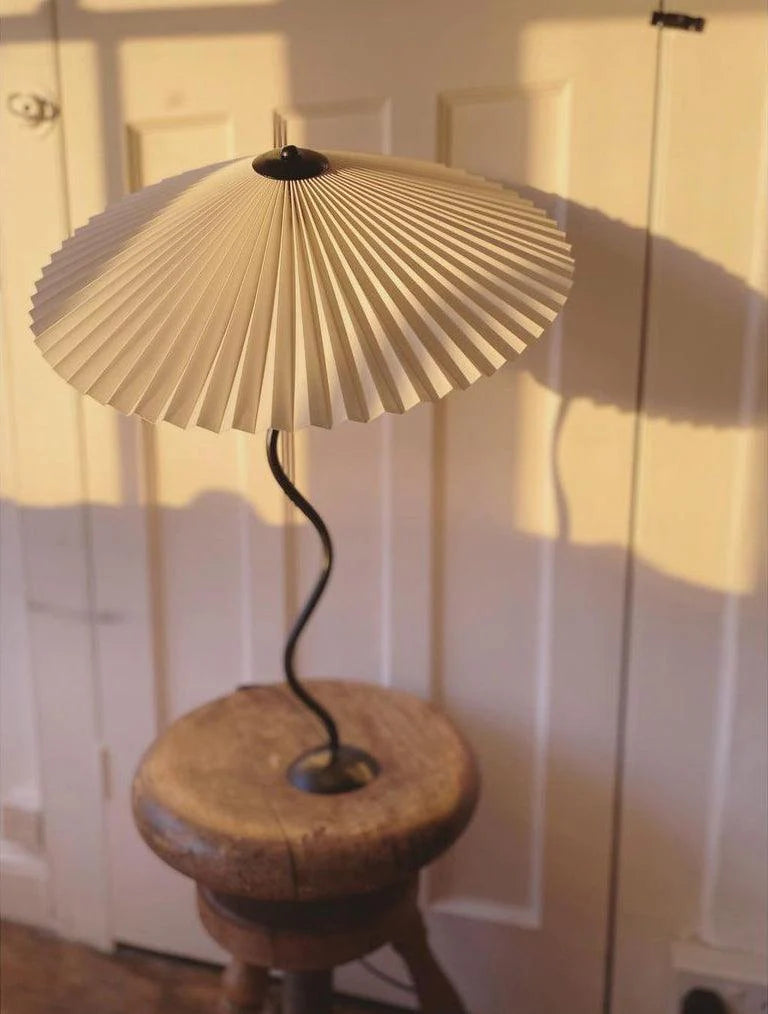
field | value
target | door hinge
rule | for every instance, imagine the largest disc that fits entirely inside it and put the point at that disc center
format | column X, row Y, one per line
column 669, row 19
column 105, row 759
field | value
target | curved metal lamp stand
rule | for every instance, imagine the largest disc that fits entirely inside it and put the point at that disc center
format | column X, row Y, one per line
column 333, row 767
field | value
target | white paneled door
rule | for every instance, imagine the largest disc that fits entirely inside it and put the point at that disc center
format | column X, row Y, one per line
column 692, row 876
column 482, row 544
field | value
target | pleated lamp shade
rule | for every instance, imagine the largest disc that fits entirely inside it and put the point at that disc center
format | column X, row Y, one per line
column 239, row 296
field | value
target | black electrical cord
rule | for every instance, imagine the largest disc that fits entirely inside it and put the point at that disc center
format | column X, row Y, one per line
column 407, row 987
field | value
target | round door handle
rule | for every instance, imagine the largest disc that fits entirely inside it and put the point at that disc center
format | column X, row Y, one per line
column 32, row 108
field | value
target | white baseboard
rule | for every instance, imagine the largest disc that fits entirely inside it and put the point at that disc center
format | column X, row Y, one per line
column 696, row 958
column 23, row 886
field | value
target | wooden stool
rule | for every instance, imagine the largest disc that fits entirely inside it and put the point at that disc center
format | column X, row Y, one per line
column 303, row 882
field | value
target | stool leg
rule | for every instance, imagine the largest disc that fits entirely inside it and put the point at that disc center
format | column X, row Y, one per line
column 308, row 992
column 244, row 988
column 435, row 992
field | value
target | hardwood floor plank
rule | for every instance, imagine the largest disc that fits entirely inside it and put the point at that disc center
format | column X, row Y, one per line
column 41, row 974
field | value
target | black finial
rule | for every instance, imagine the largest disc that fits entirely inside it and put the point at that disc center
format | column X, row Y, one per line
column 290, row 163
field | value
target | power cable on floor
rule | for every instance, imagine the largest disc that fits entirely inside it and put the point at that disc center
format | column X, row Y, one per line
column 407, row 987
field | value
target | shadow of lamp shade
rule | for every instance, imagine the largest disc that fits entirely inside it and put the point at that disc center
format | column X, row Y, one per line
column 300, row 289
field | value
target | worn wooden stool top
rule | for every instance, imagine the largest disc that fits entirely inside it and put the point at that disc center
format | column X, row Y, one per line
column 211, row 796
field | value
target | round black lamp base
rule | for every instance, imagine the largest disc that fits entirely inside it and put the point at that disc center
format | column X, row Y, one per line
column 319, row 772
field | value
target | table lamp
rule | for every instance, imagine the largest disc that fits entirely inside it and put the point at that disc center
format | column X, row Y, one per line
column 300, row 289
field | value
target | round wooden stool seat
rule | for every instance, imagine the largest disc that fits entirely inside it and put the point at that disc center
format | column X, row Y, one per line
column 211, row 796
column 298, row 881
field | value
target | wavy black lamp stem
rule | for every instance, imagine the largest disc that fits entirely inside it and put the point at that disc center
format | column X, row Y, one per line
column 333, row 767
column 310, row 605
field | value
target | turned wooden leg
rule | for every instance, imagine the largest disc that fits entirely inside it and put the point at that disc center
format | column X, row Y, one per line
column 435, row 992
column 244, row 988
column 308, row 992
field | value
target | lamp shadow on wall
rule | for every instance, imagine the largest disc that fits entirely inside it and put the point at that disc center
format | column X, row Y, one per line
column 701, row 361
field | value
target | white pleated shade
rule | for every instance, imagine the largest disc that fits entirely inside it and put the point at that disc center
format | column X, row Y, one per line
column 224, row 298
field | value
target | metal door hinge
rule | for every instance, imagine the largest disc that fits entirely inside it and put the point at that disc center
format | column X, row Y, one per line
column 105, row 762
column 669, row 19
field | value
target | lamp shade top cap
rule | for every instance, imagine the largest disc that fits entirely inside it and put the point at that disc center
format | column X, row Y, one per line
column 290, row 163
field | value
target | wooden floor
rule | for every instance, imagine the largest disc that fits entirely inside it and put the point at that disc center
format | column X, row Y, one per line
column 40, row 974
